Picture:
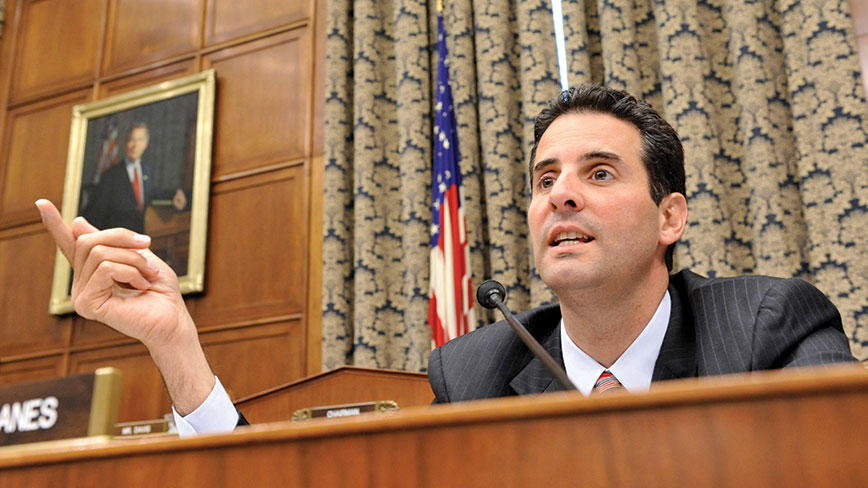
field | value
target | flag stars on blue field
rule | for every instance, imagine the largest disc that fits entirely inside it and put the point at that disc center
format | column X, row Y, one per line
column 444, row 141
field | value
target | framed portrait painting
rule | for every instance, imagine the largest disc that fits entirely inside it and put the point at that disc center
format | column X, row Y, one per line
column 142, row 161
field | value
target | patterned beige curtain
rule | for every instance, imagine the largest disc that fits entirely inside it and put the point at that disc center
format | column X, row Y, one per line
column 766, row 96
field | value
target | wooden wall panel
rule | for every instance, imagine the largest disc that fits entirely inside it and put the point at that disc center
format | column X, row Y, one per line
column 172, row 28
column 262, row 102
column 36, row 369
column 254, row 316
column 36, row 145
column 143, row 395
column 313, row 321
column 148, row 78
column 7, row 42
column 228, row 19
column 252, row 359
column 58, row 45
column 26, row 266
column 88, row 332
column 256, row 247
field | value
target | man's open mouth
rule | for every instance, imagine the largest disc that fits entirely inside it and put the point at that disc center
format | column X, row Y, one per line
column 570, row 238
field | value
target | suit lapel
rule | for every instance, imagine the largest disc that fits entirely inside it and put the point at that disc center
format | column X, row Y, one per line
column 146, row 182
column 535, row 378
column 124, row 185
column 677, row 358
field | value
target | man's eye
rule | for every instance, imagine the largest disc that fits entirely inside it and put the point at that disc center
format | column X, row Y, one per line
column 601, row 175
column 546, row 182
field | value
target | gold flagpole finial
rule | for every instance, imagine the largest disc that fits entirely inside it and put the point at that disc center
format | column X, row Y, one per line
column 439, row 6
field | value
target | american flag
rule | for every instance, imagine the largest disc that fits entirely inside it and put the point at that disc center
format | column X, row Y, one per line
column 109, row 152
column 450, row 306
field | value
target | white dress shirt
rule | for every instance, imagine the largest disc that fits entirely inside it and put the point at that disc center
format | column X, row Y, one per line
column 633, row 368
column 216, row 414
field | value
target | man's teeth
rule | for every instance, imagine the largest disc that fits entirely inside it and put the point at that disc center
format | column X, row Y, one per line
column 568, row 237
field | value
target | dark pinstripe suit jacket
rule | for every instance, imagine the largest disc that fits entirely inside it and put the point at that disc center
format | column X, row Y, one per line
column 717, row 326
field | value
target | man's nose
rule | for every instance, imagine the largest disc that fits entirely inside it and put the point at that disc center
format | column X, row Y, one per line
column 567, row 193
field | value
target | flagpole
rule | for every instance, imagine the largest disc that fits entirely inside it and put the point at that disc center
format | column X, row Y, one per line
column 558, row 19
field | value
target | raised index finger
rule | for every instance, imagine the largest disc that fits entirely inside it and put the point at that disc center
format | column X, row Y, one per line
column 60, row 232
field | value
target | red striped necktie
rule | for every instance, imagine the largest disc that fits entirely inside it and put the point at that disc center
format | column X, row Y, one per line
column 607, row 383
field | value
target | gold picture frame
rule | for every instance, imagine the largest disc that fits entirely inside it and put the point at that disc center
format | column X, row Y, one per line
column 168, row 129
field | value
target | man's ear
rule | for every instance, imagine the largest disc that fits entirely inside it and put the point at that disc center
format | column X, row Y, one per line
column 673, row 218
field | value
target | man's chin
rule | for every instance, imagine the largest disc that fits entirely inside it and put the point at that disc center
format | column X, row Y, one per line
column 565, row 280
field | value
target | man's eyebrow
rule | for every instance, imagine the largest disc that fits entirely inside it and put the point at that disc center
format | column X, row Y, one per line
column 601, row 155
column 542, row 164
column 604, row 155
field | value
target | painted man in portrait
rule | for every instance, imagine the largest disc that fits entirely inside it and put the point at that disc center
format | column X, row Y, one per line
column 125, row 190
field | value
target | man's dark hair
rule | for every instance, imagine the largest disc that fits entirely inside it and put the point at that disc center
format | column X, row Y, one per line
column 661, row 150
column 139, row 124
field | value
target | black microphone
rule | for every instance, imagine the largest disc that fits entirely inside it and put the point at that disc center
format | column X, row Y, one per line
column 491, row 294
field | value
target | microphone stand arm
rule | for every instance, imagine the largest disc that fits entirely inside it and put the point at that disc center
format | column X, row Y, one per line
column 554, row 368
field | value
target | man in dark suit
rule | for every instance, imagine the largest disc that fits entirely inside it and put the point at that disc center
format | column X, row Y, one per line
column 608, row 183
column 607, row 207
column 125, row 190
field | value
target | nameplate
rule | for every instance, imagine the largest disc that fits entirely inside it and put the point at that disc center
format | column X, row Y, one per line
column 142, row 428
column 60, row 408
column 348, row 410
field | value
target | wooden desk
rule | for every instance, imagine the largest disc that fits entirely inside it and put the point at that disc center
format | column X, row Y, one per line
column 347, row 384
column 770, row 429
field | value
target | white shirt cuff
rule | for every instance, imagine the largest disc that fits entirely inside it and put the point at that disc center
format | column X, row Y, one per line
column 215, row 415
